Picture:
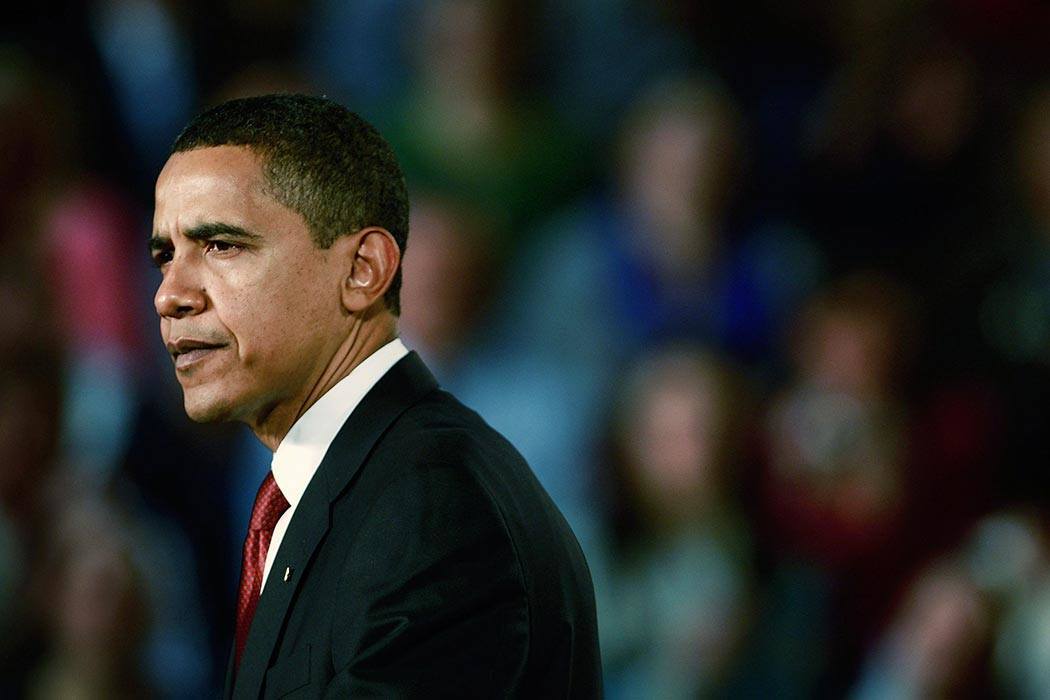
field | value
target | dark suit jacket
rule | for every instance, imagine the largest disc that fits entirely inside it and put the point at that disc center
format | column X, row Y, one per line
column 424, row 560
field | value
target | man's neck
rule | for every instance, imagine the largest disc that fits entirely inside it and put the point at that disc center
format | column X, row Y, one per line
column 364, row 338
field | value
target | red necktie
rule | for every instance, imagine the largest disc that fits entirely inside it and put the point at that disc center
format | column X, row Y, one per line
column 270, row 503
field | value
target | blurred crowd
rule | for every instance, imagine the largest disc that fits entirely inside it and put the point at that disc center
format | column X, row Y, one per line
column 760, row 289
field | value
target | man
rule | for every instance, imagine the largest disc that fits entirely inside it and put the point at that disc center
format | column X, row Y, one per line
column 400, row 546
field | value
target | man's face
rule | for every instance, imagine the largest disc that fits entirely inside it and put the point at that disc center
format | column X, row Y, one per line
column 249, row 307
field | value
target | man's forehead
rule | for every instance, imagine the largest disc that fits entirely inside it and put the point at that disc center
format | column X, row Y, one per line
column 231, row 167
column 221, row 184
column 204, row 179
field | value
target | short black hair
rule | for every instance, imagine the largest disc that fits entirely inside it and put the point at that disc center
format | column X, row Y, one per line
column 320, row 160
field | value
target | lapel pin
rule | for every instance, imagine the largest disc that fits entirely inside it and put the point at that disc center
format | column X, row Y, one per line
column 287, row 572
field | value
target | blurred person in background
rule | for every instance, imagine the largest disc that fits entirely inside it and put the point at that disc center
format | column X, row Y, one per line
column 94, row 601
column 1010, row 557
column 901, row 167
column 937, row 645
column 894, row 178
column 472, row 122
column 836, row 453
column 146, row 53
column 30, row 413
column 837, row 436
column 591, row 79
column 886, row 130
column 675, row 600
column 71, row 370
column 660, row 254
column 362, row 51
column 76, row 225
column 971, row 622
column 449, row 280
column 452, row 314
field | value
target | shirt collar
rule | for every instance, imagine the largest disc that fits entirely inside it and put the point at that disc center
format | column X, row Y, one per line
column 300, row 453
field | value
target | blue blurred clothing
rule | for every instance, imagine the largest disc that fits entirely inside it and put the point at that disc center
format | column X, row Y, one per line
column 674, row 614
column 357, row 51
column 585, row 291
column 149, row 63
column 591, row 84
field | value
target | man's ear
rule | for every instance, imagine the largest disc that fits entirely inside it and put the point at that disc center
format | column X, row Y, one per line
column 374, row 258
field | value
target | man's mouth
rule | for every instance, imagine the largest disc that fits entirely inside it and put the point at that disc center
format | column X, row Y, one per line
column 186, row 352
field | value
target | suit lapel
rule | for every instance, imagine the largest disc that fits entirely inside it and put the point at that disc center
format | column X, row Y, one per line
column 403, row 385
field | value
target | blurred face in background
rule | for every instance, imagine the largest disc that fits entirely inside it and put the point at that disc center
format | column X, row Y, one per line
column 837, row 440
column 444, row 275
column 855, row 337
column 850, row 353
column 677, row 436
column 99, row 611
column 459, row 48
column 676, row 168
column 934, row 110
column 249, row 306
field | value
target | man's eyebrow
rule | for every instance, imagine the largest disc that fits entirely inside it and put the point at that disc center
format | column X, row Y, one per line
column 209, row 230
column 158, row 242
column 205, row 232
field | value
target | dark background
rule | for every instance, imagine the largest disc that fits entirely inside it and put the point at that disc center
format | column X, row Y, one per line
column 760, row 289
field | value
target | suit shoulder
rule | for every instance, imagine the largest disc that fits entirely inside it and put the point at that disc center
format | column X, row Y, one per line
column 449, row 489
column 441, row 432
column 441, row 417
column 439, row 456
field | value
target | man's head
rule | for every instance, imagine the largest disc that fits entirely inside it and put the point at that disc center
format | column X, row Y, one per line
column 320, row 160
column 278, row 229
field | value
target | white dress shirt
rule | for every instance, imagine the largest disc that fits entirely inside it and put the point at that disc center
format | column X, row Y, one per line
column 300, row 453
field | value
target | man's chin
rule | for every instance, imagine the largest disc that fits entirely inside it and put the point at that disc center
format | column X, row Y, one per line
column 203, row 409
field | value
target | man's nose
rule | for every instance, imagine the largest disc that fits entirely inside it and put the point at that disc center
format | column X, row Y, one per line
column 180, row 293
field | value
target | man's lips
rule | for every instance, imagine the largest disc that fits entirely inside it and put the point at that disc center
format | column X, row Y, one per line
column 187, row 351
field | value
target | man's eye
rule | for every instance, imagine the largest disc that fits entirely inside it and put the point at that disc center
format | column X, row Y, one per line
column 161, row 257
column 220, row 246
